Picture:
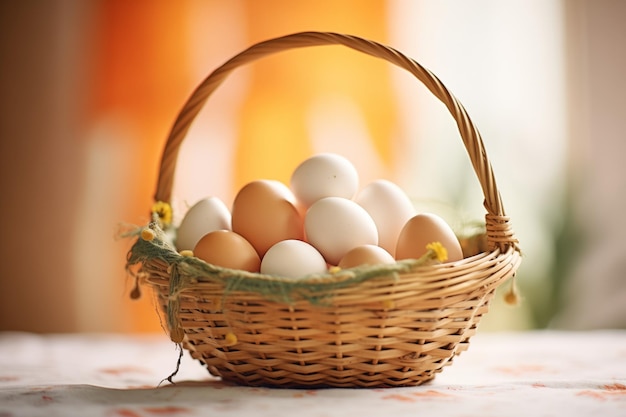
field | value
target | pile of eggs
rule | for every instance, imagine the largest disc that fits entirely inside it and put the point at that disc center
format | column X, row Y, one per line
column 320, row 220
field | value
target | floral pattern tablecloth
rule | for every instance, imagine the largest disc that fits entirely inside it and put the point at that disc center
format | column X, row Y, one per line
column 540, row 373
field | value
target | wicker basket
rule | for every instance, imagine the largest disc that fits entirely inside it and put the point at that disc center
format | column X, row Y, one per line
column 385, row 327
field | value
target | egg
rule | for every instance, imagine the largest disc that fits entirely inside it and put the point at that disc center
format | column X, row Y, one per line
column 292, row 258
column 366, row 255
column 423, row 229
column 264, row 213
column 389, row 207
column 324, row 175
column 335, row 225
column 227, row 249
column 207, row 215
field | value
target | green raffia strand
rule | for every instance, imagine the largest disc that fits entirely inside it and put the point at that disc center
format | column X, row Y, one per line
column 316, row 288
column 173, row 303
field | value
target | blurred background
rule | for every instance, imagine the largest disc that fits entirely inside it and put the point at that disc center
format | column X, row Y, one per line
column 89, row 90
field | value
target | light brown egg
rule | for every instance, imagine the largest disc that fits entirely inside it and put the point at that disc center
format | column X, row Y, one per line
column 423, row 229
column 227, row 249
column 264, row 213
column 366, row 255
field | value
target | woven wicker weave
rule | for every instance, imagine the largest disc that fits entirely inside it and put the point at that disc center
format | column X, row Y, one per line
column 398, row 328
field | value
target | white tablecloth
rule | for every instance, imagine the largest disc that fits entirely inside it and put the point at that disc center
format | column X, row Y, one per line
column 541, row 373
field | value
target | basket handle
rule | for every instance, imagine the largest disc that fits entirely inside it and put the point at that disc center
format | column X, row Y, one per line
column 499, row 233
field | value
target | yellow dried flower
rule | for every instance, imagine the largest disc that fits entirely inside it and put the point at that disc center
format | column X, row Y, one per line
column 230, row 338
column 186, row 253
column 334, row 269
column 164, row 213
column 440, row 252
column 147, row 234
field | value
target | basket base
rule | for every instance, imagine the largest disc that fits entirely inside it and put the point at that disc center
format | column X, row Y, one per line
column 297, row 382
column 302, row 376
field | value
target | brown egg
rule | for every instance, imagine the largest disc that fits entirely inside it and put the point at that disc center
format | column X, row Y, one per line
column 366, row 255
column 227, row 249
column 423, row 229
column 264, row 213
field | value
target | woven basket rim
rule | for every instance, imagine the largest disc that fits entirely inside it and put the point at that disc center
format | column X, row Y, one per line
column 192, row 273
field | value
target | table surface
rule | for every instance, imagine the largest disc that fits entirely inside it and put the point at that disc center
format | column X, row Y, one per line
column 539, row 373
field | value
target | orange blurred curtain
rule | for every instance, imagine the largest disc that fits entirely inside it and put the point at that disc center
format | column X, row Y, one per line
column 274, row 135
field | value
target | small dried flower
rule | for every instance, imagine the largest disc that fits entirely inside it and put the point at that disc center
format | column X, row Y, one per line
column 440, row 252
column 230, row 338
column 147, row 234
column 164, row 213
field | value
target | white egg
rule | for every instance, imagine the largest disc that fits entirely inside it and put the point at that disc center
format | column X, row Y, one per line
column 324, row 175
column 207, row 215
column 335, row 225
column 389, row 207
column 292, row 258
